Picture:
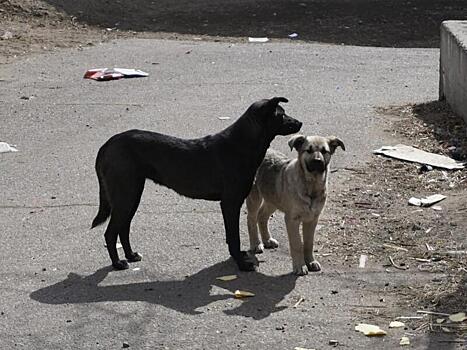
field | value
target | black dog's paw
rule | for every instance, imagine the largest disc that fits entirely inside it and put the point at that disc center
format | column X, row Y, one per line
column 121, row 265
column 247, row 262
column 134, row 257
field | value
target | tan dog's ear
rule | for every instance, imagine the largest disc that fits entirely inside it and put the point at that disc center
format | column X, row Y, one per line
column 296, row 142
column 335, row 142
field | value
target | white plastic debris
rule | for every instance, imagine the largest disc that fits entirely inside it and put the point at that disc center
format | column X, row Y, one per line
column 5, row 148
column 404, row 341
column 223, row 118
column 427, row 201
column 293, row 35
column 102, row 74
column 415, row 155
column 363, row 260
column 227, row 278
column 396, row 324
column 258, row 40
column 369, row 329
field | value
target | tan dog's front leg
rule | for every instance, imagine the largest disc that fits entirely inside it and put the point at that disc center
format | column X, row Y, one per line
column 296, row 246
column 253, row 203
column 308, row 240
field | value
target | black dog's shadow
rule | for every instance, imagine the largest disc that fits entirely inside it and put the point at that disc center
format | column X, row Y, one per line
column 184, row 296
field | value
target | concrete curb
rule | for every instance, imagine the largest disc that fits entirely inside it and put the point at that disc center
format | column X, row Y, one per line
column 453, row 66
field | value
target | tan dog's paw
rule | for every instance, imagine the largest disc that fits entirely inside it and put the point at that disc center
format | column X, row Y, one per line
column 300, row 270
column 314, row 266
column 271, row 243
column 258, row 249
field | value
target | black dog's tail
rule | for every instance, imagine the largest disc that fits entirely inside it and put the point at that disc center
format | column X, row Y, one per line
column 104, row 205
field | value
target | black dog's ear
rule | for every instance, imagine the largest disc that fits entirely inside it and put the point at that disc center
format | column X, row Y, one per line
column 335, row 142
column 275, row 101
column 296, row 142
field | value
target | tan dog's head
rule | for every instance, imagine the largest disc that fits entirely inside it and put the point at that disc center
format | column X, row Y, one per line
column 314, row 152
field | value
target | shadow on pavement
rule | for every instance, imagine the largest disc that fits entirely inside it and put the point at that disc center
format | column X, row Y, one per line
column 448, row 128
column 389, row 23
column 184, row 296
column 450, row 303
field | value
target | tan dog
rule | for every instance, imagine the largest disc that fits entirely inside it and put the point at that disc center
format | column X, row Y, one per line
column 297, row 187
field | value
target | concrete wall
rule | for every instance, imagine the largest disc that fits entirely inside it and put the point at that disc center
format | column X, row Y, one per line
column 453, row 66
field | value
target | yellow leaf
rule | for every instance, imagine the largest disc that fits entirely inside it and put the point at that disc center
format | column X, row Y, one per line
column 405, row 341
column 396, row 324
column 227, row 278
column 459, row 317
column 369, row 329
column 440, row 320
column 243, row 294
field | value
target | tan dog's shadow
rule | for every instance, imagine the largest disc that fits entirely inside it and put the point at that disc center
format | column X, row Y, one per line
column 186, row 296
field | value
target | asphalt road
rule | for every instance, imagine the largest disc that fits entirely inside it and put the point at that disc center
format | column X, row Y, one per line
column 57, row 289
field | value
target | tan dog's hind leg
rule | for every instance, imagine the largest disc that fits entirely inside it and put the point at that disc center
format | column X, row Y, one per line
column 253, row 203
column 308, row 242
column 264, row 214
column 296, row 246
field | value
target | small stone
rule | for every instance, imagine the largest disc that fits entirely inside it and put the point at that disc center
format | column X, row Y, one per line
column 334, row 292
column 333, row 342
column 125, row 345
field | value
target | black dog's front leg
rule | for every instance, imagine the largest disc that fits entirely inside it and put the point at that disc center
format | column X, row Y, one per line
column 231, row 214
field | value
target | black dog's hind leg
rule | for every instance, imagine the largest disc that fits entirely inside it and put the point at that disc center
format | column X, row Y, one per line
column 125, row 201
column 231, row 214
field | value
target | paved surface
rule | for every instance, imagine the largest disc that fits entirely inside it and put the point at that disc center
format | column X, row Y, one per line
column 57, row 289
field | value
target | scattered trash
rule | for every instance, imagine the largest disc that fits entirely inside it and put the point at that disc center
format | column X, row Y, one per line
column 425, row 168
column 427, row 201
column 299, row 348
column 334, row 342
column 5, row 148
column 301, row 300
column 396, row 324
column 293, row 36
column 243, row 294
column 432, row 313
column 137, row 269
column 125, row 345
column 369, row 329
column 395, row 247
column 363, row 260
column 223, row 118
column 258, row 40
column 459, row 317
column 415, row 155
column 103, row 74
column 455, row 252
column 7, row 35
column 404, row 341
column 227, row 278
column 437, row 207
column 429, row 247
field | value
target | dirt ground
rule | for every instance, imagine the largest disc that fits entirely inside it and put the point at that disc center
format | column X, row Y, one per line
column 377, row 221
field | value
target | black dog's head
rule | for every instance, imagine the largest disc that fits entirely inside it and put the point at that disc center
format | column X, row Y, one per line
column 272, row 117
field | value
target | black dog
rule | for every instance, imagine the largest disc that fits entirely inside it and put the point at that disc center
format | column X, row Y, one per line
column 219, row 167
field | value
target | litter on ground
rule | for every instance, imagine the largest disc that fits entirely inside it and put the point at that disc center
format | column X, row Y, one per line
column 396, row 324
column 411, row 154
column 459, row 317
column 258, row 40
column 293, row 36
column 426, row 201
column 5, row 148
column 243, row 294
column 103, row 74
column 227, row 278
column 404, row 341
column 369, row 329
column 363, row 260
